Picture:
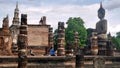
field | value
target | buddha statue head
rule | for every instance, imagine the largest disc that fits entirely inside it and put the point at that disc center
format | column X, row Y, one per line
column 101, row 12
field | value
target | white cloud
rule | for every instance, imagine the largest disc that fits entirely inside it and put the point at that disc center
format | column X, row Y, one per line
column 58, row 13
column 114, row 29
column 112, row 15
column 112, row 4
column 62, row 13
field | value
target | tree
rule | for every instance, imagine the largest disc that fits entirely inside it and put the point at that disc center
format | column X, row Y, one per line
column 76, row 24
column 55, row 39
column 118, row 34
column 116, row 40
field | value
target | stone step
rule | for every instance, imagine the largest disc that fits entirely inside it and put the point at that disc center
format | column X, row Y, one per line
column 36, row 65
column 115, row 65
column 33, row 65
column 15, row 50
column 15, row 47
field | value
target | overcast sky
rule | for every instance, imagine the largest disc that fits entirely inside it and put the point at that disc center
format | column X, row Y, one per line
column 61, row 10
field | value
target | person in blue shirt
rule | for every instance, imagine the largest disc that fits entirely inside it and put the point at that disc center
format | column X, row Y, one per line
column 52, row 52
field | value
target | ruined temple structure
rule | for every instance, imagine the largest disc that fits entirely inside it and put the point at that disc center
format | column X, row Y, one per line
column 24, row 45
column 40, row 36
column 5, row 38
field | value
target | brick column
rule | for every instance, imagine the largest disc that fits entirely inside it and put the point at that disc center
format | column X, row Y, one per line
column 102, row 44
column 76, row 44
column 110, row 51
column 78, row 51
column 69, row 49
column 50, row 39
column 22, row 43
column 110, row 48
column 94, row 44
column 61, row 39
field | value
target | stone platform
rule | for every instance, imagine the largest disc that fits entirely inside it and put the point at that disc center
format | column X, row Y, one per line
column 57, row 61
column 39, row 61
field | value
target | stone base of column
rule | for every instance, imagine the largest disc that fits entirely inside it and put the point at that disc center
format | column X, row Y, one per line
column 79, row 61
column 61, row 52
column 69, row 52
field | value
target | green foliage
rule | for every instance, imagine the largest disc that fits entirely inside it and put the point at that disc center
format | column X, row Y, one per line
column 118, row 34
column 116, row 40
column 76, row 24
column 55, row 39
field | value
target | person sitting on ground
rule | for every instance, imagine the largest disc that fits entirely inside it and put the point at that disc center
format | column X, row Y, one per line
column 52, row 52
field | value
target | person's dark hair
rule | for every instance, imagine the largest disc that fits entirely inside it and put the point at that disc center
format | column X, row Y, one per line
column 51, row 47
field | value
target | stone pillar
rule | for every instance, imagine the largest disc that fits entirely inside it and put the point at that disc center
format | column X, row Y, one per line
column 94, row 44
column 22, row 43
column 102, row 44
column 110, row 51
column 110, row 48
column 78, row 51
column 50, row 39
column 69, row 49
column 76, row 43
column 79, row 61
column 44, row 20
column 61, row 39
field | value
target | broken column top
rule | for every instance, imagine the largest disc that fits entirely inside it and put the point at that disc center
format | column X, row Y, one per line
column 43, row 20
column 23, row 19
